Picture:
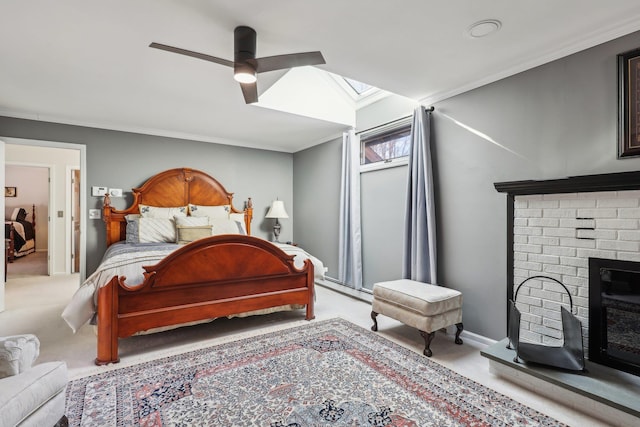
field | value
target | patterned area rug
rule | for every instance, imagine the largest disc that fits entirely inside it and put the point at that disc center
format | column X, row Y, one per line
column 325, row 373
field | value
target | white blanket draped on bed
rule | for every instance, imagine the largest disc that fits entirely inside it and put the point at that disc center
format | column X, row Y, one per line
column 82, row 307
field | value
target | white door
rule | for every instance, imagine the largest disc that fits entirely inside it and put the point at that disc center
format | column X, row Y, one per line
column 2, row 264
column 75, row 221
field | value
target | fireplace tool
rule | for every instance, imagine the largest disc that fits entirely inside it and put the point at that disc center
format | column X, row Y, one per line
column 569, row 356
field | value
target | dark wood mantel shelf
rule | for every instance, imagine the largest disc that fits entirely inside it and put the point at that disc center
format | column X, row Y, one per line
column 573, row 184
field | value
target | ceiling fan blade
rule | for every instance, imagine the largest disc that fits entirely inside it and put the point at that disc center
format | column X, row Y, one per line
column 250, row 92
column 279, row 62
column 192, row 54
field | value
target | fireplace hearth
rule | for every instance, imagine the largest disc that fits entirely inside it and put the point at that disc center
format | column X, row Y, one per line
column 554, row 227
column 614, row 314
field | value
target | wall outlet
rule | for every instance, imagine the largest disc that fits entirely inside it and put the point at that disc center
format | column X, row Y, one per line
column 94, row 213
column 98, row 191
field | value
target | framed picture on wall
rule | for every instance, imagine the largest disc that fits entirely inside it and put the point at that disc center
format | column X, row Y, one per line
column 629, row 104
column 10, row 192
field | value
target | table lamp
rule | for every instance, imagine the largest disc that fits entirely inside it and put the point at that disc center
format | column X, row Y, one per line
column 277, row 211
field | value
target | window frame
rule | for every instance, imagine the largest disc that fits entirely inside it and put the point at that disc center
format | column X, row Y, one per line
column 381, row 131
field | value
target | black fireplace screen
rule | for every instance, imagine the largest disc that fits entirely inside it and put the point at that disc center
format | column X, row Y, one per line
column 614, row 313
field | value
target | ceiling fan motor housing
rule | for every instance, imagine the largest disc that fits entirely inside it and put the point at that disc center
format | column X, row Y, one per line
column 244, row 44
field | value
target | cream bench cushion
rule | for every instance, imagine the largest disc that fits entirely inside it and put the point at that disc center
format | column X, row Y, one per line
column 423, row 306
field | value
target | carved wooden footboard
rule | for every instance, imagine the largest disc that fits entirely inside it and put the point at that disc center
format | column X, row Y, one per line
column 212, row 277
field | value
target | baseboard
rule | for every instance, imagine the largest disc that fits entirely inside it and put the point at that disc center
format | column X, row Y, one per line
column 354, row 293
column 480, row 339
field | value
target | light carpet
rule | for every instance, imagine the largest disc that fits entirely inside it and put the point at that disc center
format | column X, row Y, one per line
column 326, row 373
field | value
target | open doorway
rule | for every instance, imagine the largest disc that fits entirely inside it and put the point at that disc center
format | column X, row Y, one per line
column 27, row 199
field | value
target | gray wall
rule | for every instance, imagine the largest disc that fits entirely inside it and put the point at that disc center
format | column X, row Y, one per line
column 126, row 160
column 316, row 191
column 556, row 120
column 383, row 205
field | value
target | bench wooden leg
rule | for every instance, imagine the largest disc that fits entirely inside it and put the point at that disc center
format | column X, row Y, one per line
column 459, row 328
column 374, row 328
column 428, row 337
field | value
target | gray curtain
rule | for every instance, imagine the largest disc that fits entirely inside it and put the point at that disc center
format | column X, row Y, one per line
column 350, row 249
column 419, row 252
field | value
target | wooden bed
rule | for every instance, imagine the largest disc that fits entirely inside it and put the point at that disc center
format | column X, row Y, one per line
column 12, row 236
column 211, row 277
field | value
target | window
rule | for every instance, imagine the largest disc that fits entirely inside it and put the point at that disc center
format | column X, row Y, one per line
column 386, row 145
column 358, row 87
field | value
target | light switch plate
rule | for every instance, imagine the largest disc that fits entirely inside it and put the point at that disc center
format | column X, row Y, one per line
column 94, row 213
column 115, row 192
column 98, row 191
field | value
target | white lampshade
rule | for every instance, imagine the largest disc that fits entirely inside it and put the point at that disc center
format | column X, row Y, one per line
column 277, row 210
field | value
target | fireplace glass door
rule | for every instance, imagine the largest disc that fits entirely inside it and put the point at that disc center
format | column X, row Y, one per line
column 614, row 313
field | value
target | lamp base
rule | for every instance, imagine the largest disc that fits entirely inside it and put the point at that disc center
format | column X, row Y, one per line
column 276, row 231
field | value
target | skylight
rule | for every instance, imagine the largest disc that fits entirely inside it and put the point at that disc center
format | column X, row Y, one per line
column 313, row 92
column 357, row 86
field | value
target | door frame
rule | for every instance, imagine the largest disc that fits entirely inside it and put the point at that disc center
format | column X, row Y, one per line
column 83, row 197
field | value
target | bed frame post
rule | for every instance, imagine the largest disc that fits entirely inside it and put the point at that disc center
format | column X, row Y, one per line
column 311, row 293
column 248, row 215
column 108, row 323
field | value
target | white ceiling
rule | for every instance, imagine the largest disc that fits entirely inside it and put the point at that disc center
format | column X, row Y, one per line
column 87, row 62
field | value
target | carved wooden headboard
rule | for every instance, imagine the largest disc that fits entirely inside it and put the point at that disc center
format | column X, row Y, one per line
column 174, row 187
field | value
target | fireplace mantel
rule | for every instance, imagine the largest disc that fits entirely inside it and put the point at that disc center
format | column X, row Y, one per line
column 574, row 184
column 577, row 201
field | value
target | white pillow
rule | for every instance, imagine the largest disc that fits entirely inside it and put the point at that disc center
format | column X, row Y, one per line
column 191, row 221
column 221, row 211
column 14, row 214
column 226, row 226
column 239, row 217
column 17, row 354
column 159, row 212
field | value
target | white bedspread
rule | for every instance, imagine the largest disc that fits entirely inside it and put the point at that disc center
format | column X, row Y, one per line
column 18, row 227
column 82, row 307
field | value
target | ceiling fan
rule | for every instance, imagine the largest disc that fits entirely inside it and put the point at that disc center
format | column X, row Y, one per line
column 246, row 65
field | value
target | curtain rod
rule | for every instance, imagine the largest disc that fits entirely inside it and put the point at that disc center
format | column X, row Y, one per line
column 428, row 110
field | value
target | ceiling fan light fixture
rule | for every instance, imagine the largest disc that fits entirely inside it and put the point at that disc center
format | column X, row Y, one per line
column 244, row 73
column 244, row 77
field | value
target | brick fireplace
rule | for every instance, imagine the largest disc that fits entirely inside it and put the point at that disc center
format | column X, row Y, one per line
column 558, row 228
column 555, row 226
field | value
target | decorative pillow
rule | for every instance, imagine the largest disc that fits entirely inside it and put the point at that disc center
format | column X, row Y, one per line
column 226, row 226
column 18, row 214
column 150, row 230
column 133, row 224
column 17, row 354
column 221, row 211
column 159, row 212
column 191, row 221
column 189, row 233
column 239, row 217
column 22, row 215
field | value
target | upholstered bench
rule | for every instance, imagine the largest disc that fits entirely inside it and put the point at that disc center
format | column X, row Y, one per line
column 425, row 307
